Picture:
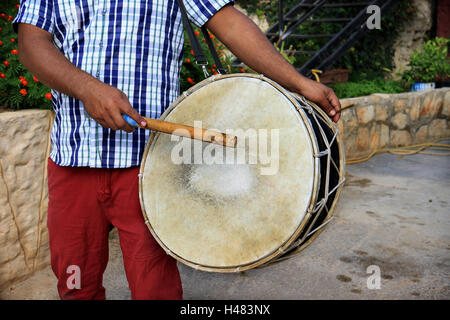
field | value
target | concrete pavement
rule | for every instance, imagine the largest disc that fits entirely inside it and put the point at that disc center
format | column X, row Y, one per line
column 393, row 214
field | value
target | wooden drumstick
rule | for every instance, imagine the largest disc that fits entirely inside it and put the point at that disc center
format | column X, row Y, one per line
column 186, row 131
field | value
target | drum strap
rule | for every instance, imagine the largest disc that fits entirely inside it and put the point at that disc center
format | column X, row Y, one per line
column 200, row 58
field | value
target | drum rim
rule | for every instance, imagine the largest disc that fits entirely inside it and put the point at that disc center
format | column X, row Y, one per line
column 267, row 258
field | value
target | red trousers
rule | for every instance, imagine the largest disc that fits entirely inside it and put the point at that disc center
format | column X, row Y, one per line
column 84, row 203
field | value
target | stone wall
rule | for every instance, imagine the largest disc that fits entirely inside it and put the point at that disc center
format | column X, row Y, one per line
column 24, row 146
column 382, row 121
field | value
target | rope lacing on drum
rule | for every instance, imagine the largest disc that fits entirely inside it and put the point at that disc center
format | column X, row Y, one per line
column 336, row 187
column 320, row 204
column 321, row 154
column 319, row 227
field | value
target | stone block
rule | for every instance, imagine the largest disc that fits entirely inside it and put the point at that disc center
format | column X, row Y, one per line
column 438, row 129
column 446, row 105
column 400, row 120
column 349, row 120
column 384, row 136
column 365, row 114
column 414, row 112
column 24, row 147
column 400, row 105
column 382, row 113
column 374, row 142
column 431, row 105
column 400, row 138
column 362, row 139
column 421, row 134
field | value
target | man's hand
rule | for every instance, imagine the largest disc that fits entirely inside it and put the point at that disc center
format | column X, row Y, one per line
column 323, row 96
column 251, row 46
column 106, row 104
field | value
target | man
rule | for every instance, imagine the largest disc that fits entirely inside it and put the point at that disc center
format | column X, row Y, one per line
column 104, row 59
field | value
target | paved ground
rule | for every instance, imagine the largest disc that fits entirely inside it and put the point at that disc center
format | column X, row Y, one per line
column 393, row 213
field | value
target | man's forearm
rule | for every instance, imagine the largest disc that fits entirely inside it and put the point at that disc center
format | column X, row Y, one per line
column 104, row 103
column 248, row 43
column 38, row 54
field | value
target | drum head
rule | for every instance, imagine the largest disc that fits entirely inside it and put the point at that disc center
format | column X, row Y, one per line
column 219, row 216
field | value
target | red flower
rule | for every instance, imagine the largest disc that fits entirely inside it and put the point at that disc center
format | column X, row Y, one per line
column 12, row 40
column 35, row 79
column 2, row 15
column 241, row 70
column 197, row 33
column 1, row 29
column 2, row 75
column 1, row 43
column 10, row 18
column 23, row 92
column 17, row 6
column 6, row 63
column 14, row 51
column 48, row 95
column 188, row 60
column 24, row 82
column 190, row 81
column 192, row 52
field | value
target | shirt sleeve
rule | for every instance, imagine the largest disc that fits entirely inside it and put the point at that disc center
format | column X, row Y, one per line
column 36, row 12
column 200, row 11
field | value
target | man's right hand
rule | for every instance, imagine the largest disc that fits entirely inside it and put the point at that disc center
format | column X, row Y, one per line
column 106, row 104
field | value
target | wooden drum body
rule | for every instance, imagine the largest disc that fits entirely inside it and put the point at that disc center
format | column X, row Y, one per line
column 234, row 215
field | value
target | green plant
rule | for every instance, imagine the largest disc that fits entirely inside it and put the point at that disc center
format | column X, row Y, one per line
column 429, row 64
column 366, row 87
column 19, row 89
column 288, row 54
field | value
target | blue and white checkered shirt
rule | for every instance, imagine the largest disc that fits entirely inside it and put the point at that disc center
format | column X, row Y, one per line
column 135, row 46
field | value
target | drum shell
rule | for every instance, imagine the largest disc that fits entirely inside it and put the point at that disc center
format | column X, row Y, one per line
column 286, row 249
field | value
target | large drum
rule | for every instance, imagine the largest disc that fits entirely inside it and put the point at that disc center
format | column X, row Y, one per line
column 232, row 209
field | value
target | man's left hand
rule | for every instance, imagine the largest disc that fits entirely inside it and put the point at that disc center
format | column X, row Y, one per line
column 321, row 95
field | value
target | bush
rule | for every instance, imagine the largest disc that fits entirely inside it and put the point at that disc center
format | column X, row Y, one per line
column 429, row 64
column 19, row 89
column 366, row 87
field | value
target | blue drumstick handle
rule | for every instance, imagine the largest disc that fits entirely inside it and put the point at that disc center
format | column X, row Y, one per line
column 130, row 120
